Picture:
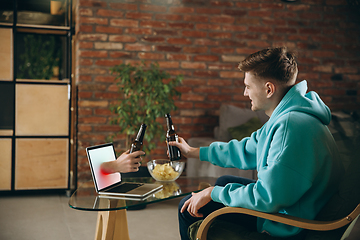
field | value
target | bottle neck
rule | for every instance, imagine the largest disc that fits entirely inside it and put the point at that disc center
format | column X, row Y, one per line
column 141, row 133
column 169, row 123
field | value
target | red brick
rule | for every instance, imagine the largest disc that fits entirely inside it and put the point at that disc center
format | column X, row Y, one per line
column 182, row 41
column 177, row 57
column 169, row 17
column 105, row 62
column 124, row 23
column 153, row 24
column 184, row 105
column 108, row 79
column 210, row 11
column 195, row 49
column 235, row 12
column 181, row 25
column 137, row 15
column 124, row 6
column 181, row 9
column 116, row 54
column 221, row 66
column 261, row 44
column 206, row 58
column 227, row 74
column 196, row 18
column 83, row 44
column 85, row 12
column 85, row 78
column 193, row 65
column 320, row 53
column 222, row 35
column 206, row 105
column 298, row 7
column 260, row 29
column 168, row 64
column 152, row 8
column 222, row 50
column 259, row 13
column 85, row 95
column 247, row 5
column 139, row 31
column 192, row 97
column 109, row 13
column 92, row 37
column 206, row 74
column 234, row 28
column 206, row 89
column 222, row 19
column 93, row 20
column 92, row 3
column 285, row 30
column 153, row 39
column 106, row 95
column 271, row 6
column 86, row 28
column 206, row 42
column 165, row 32
column 248, row 21
column 219, row 97
column 203, row 26
column 286, row 15
column 122, row 38
column 108, row 45
column 137, row 47
column 94, row 54
column 154, row 56
column 168, row 48
column 103, row 29
column 196, row 34
column 85, row 62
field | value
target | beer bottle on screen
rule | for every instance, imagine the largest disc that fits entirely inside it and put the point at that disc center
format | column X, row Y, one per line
column 174, row 152
column 138, row 141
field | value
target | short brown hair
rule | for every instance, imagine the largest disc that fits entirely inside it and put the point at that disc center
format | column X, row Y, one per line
column 274, row 63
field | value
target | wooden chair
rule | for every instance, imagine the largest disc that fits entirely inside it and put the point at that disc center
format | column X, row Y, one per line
column 349, row 220
column 335, row 220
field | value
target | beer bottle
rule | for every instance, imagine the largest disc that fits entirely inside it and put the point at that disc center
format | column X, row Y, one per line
column 138, row 141
column 174, row 152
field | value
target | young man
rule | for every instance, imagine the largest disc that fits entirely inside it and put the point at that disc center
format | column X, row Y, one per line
column 294, row 153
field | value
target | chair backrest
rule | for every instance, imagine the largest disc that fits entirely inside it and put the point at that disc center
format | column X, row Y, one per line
column 342, row 203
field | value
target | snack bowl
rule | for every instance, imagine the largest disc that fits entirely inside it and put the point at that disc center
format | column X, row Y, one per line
column 165, row 170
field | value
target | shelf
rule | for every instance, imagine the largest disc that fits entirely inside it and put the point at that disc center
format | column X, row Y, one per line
column 6, row 54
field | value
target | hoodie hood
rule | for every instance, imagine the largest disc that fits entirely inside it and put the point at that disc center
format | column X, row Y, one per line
column 296, row 99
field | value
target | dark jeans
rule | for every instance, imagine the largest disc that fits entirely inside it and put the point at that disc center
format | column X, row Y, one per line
column 185, row 219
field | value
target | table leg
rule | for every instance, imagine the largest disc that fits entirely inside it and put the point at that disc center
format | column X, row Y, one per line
column 112, row 225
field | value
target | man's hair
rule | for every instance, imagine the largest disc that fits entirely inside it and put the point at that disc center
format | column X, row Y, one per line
column 275, row 63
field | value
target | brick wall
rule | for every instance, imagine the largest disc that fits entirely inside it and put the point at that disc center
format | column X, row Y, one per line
column 205, row 40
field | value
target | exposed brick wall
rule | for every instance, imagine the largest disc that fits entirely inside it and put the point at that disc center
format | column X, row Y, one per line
column 205, row 40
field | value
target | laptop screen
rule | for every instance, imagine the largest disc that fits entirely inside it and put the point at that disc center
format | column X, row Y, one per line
column 97, row 155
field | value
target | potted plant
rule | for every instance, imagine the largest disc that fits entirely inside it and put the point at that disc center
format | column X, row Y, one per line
column 148, row 93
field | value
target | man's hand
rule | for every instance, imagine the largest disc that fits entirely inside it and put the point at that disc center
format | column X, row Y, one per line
column 185, row 149
column 127, row 162
column 197, row 201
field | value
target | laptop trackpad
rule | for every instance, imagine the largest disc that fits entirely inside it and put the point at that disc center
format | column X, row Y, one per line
column 125, row 187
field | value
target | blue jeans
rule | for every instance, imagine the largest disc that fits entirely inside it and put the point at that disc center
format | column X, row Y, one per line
column 185, row 219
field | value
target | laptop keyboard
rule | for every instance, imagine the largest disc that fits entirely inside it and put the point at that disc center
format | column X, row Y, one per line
column 125, row 187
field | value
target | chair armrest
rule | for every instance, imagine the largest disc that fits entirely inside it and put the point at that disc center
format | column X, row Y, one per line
column 277, row 217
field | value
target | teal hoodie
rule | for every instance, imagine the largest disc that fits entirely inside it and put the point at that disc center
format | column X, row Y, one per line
column 296, row 158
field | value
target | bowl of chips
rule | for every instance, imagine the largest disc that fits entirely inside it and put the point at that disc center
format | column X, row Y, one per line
column 165, row 170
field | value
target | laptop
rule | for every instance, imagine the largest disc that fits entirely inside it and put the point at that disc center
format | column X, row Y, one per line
column 112, row 184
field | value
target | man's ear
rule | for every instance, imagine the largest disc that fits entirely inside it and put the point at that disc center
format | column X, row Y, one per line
column 270, row 89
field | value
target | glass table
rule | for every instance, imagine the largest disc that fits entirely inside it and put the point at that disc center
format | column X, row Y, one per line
column 112, row 219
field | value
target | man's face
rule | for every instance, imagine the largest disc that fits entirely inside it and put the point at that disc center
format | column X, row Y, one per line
column 256, row 90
